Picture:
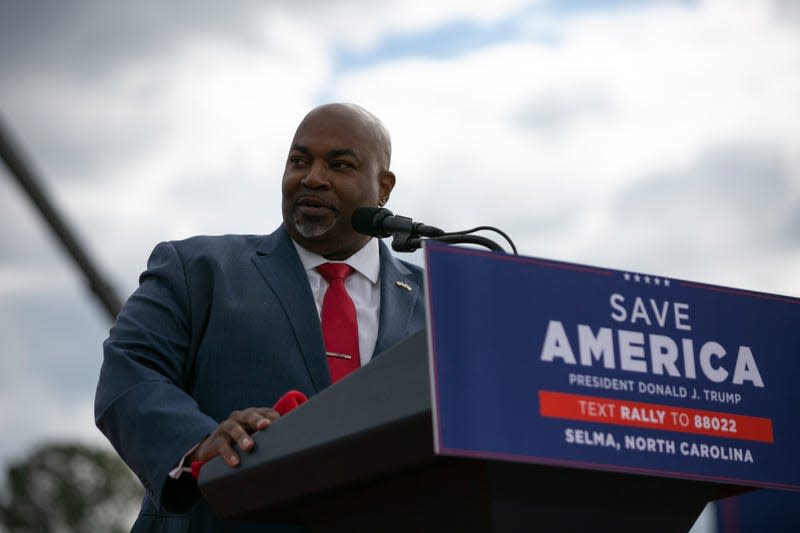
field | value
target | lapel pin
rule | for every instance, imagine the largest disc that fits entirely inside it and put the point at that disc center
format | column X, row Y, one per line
column 403, row 285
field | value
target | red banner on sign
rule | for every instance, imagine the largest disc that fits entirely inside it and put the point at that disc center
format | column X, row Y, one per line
column 654, row 416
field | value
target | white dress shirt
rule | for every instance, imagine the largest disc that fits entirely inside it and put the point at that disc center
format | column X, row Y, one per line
column 362, row 286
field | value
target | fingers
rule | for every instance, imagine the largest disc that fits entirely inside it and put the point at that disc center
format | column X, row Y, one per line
column 221, row 446
column 236, row 429
column 253, row 419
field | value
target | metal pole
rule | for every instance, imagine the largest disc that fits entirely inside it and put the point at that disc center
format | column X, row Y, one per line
column 27, row 179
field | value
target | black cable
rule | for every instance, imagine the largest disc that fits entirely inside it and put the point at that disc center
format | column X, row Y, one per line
column 486, row 228
column 469, row 239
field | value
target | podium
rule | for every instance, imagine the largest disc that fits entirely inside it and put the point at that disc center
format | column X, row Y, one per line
column 359, row 456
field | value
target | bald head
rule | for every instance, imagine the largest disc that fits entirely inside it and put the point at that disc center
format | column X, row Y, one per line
column 371, row 124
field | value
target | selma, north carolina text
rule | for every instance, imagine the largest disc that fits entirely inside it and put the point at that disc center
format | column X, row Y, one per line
column 651, row 353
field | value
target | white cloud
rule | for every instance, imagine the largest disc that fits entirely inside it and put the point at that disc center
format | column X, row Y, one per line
column 530, row 128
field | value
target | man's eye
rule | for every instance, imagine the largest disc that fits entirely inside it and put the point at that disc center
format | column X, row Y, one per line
column 339, row 165
column 296, row 161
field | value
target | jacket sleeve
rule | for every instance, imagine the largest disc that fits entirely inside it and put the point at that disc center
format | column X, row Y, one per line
column 140, row 404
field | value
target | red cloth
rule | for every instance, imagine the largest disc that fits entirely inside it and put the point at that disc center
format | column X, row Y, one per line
column 339, row 324
column 289, row 401
column 196, row 466
column 286, row 403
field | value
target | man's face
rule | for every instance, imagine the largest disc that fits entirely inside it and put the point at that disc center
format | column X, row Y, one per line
column 334, row 166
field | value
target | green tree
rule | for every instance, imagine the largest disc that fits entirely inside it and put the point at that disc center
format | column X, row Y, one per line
column 69, row 488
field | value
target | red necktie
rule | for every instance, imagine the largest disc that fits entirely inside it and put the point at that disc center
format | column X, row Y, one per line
column 339, row 324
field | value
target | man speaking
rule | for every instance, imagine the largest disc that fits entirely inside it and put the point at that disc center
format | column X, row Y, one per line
column 221, row 327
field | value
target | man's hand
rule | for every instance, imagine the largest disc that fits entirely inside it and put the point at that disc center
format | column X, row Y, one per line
column 236, row 429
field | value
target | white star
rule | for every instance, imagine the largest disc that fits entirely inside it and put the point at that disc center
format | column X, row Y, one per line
column 666, row 283
column 627, row 276
column 647, row 279
column 657, row 281
column 636, row 278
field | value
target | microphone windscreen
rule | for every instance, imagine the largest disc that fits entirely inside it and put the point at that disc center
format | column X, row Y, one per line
column 364, row 220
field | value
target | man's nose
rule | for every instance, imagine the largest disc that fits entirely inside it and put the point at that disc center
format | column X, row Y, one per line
column 317, row 177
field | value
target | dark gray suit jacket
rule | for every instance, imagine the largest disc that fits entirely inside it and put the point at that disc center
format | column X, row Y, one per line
column 219, row 324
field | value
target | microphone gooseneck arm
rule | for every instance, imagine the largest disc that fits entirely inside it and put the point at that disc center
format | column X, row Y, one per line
column 409, row 243
column 407, row 235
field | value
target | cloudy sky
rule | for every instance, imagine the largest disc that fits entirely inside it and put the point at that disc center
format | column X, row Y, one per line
column 653, row 136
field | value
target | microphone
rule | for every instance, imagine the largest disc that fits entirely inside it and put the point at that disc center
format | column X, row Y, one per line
column 380, row 222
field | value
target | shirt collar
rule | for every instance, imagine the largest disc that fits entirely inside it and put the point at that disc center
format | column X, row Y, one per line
column 366, row 261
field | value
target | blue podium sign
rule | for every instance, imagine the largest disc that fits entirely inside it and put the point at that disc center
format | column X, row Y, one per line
column 558, row 363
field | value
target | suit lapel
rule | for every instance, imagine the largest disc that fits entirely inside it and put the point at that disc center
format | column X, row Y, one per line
column 399, row 295
column 280, row 267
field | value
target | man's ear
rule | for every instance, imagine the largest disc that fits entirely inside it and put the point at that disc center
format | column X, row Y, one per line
column 387, row 181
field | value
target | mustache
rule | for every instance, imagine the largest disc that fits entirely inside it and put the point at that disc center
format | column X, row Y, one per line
column 315, row 201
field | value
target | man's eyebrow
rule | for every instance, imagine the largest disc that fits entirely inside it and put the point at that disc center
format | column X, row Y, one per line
column 332, row 154
column 342, row 152
column 300, row 148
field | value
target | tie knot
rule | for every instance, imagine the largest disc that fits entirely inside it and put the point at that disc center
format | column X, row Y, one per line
column 331, row 271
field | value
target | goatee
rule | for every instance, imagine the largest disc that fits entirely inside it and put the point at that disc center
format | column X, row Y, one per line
column 312, row 230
